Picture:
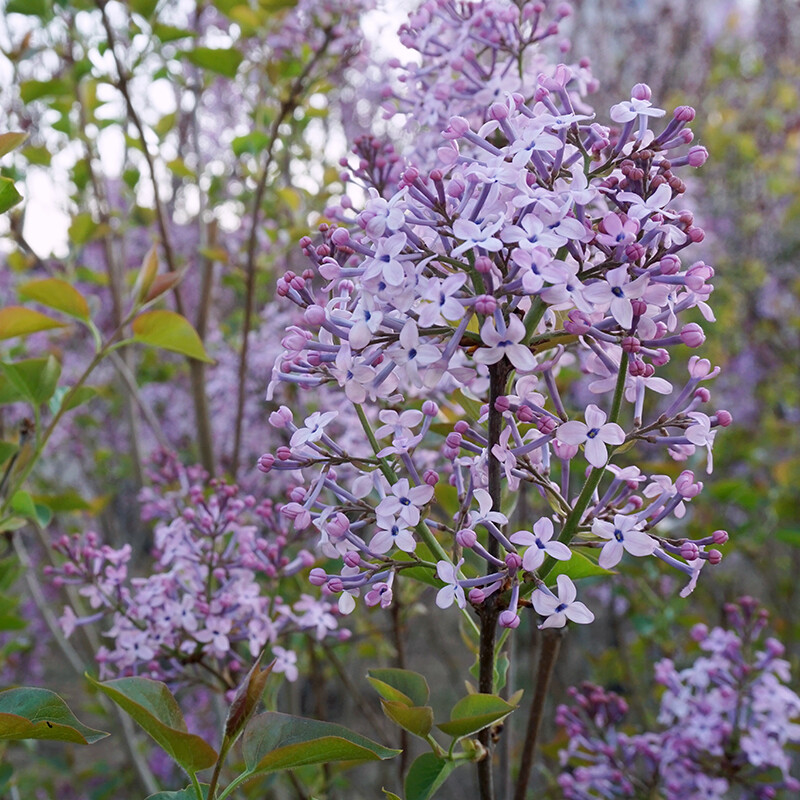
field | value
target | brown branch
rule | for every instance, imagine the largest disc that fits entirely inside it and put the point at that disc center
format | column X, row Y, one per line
column 551, row 644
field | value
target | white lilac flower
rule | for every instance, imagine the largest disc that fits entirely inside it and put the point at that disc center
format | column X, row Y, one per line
column 594, row 434
column 313, row 428
column 505, row 343
column 451, row 591
column 539, row 545
column 623, row 535
column 562, row 608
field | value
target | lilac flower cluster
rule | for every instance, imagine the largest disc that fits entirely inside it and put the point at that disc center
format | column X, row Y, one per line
column 540, row 240
column 208, row 604
column 726, row 722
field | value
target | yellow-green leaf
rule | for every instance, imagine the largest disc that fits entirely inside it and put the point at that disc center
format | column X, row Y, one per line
column 170, row 331
column 57, row 294
column 10, row 141
column 21, row 321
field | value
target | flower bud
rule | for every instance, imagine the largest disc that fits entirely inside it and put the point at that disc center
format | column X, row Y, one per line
column 692, row 335
column 430, row 477
column 466, row 537
column 508, row 619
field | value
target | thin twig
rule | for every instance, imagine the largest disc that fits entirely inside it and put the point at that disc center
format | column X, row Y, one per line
column 551, row 644
column 287, row 107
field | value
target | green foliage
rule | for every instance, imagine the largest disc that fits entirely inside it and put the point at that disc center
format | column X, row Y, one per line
column 275, row 741
column 475, row 712
column 426, row 776
column 30, row 713
column 169, row 331
column 152, row 705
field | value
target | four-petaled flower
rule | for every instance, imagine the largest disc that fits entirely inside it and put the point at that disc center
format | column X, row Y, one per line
column 594, row 434
column 539, row 545
column 562, row 608
column 623, row 534
column 505, row 342
column 405, row 502
column 448, row 573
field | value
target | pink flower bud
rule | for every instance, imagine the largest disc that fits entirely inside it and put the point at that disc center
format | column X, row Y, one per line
column 462, row 426
column 577, row 323
column 690, row 551
column 284, row 453
column 430, row 477
column 697, row 156
column 513, row 561
column 564, row 451
column 714, row 557
column 485, row 304
column 683, row 113
column 525, row 414
column 702, row 394
column 476, row 596
column 630, row 344
column 724, row 418
column 281, row 418
column 466, row 537
column 335, row 585
column 340, row 236
column 669, row 265
column 686, row 485
column 719, row 537
column 352, row 558
column 546, row 425
column 430, row 409
column 266, row 462
column 483, row 264
column 699, row 632
column 641, row 91
column 660, row 357
column 502, row 404
column 692, row 335
column 457, row 127
column 317, row 577
column 498, row 111
column 508, row 619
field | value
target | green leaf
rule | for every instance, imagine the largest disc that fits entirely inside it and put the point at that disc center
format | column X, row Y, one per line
column 29, row 713
column 7, row 449
column 9, row 196
column 224, row 61
column 35, row 90
column 155, row 709
column 426, row 775
column 22, row 504
column 31, row 8
column 789, row 535
column 57, row 294
column 35, row 378
column 82, row 228
column 400, row 685
column 81, row 395
column 577, row 567
column 391, row 795
column 475, row 712
column 169, row 33
column 66, row 501
column 170, row 331
column 253, row 142
column 415, row 719
column 144, row 7
column 10, row 141
column 20, row 321
column 183, row 794
column 275, row 741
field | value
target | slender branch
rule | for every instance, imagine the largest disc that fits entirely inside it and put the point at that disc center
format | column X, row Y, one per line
column 489, row 611
column 287, row 108
column 551, row 644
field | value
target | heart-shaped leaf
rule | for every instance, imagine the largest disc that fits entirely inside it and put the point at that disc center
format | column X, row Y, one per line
column 57, row 294
column 415, row 719
column 400, row 685
column 170, row 331
column 427, row 774
column 155, row 709
column 475, row 712
column 31, row 713
column 21, row 321
column 275, row 741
